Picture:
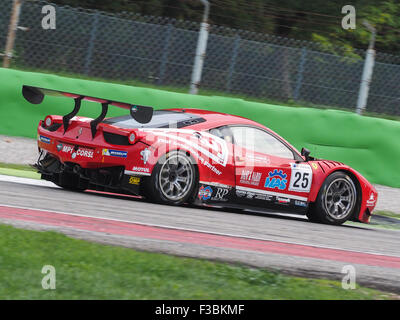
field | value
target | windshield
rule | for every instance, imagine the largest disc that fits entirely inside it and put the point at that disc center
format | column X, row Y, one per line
column 161, row 119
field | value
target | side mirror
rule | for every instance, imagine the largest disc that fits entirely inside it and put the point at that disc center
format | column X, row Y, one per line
column 305, row 153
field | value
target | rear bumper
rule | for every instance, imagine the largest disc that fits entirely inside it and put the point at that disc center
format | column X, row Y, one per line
column 92, row 163
column 87, row 155
column 107, row 178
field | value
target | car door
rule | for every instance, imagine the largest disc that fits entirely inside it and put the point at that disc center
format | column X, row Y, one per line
column 218, row 179
column 266, row 171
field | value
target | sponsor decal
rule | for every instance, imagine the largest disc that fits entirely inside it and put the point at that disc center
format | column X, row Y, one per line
column 301, row 178
column 134, row 180
column 276, row 179
column 205, row 192
column 371, row 201
column 59, row 146
column 254, row 195
column 250, row 177
column 216, row 184
column 45, row 139
column 114, row 153
column 210, row 146
column 240, row 193
column 209, row 166
column 67, row 149
column 141, row 169
column 194, row 152
column 257, row 158
column 300, row 203
column 315, row 166
column 82, row 152
column 220, row 194
column 265, row 197
column 144, row 155
column 250, row 195
column 271, row 193
column 282, row 200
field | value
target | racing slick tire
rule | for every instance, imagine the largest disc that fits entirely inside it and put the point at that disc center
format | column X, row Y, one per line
column 70, row 181
column 336, row 200
column 173, row 180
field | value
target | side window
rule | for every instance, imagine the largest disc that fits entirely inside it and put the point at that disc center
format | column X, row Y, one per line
column 260, row 141
column 223, row 133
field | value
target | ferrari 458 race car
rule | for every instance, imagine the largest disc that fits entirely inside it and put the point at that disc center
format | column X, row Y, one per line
column 177, row 156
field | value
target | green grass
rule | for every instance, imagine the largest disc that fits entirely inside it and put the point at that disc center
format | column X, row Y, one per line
column 86, row 270
column 18, row 170
column 23, row 167
column 388, row 224
column 20, row 173
column 387, row 214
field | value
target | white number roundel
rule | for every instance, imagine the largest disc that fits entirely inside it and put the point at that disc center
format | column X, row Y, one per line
column 301, row 178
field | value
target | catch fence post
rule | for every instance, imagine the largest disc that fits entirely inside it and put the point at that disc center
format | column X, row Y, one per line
column 233, row 62
column 300, row 74
column 92, row 39
column 367, row 71
column 200, row 50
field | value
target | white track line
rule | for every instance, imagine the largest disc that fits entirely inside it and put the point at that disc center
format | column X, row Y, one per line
column 29, row 181
column 199, row 231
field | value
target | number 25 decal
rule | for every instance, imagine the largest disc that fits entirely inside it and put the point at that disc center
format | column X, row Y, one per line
column 301, row 178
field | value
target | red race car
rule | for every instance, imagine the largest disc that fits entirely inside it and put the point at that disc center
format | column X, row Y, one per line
column 178, row 156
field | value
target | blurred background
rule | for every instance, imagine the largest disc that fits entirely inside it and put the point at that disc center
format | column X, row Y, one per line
column 284, row 52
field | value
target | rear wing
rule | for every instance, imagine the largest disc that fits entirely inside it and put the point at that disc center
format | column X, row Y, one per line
column 35, row 95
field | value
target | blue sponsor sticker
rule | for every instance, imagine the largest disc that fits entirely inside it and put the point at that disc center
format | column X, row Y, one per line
column 205, row 193
column 45, row 139
column 276, row 179
column 300, row 203
column 115, row 153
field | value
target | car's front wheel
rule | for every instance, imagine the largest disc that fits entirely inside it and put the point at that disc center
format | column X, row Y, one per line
column 173, row 180
column 336, row 200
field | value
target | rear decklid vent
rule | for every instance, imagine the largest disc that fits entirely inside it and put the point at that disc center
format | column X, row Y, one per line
column 53, row 127
column 116, row 139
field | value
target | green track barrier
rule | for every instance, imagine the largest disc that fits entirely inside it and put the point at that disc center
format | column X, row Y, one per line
column 370, row 145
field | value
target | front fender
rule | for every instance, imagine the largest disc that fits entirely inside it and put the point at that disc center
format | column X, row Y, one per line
column 322, row 169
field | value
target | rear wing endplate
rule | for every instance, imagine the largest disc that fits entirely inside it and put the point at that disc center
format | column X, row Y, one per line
column 35, row 95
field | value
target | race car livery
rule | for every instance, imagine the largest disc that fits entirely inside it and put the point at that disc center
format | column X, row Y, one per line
column 177, row 156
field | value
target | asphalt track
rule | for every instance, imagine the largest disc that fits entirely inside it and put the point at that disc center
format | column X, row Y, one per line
column 289, row 244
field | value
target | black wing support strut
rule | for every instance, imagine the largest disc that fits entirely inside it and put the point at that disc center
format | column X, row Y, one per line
column 100, row 118
column 72, row 114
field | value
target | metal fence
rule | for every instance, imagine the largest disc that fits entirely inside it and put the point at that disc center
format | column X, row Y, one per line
column 160, row 51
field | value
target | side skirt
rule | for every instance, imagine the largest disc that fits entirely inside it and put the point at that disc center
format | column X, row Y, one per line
column 231, row 197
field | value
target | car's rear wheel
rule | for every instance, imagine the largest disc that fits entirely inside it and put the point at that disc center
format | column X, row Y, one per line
column 336, row 200
column 173, row 180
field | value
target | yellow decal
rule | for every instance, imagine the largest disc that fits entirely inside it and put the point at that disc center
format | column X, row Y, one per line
column 134, row 180
column 315, row 166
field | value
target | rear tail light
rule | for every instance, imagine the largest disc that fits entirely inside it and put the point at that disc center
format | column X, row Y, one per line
column 132, row 138
column 48, row 121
